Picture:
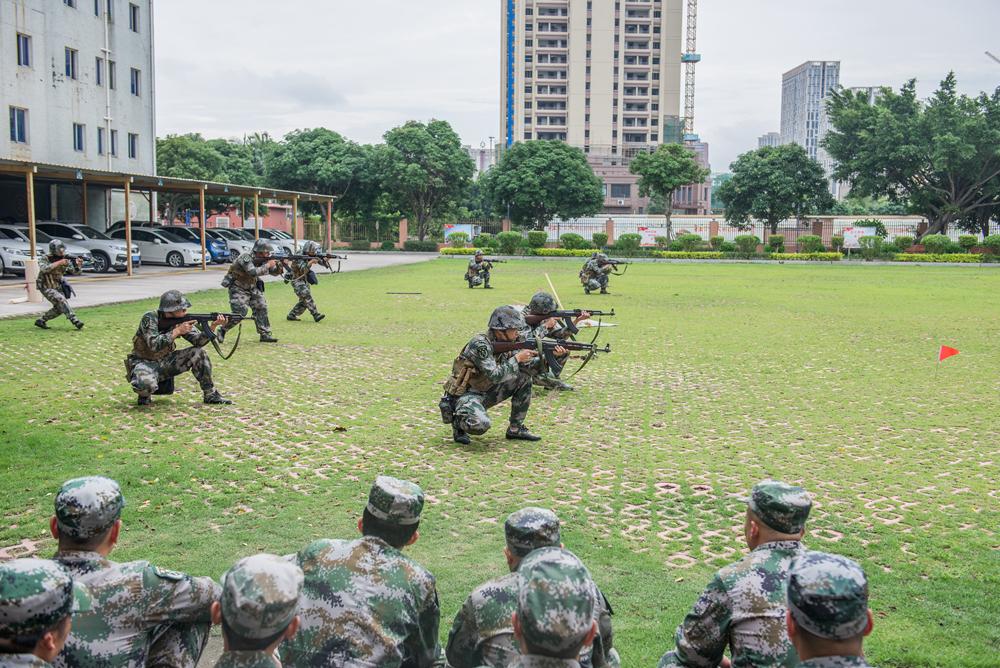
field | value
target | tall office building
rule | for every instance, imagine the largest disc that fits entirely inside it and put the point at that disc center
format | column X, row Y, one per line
column 603, row 75
column 804, row 91
column 769, row 139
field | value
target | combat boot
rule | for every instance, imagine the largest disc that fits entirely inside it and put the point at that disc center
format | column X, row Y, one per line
column 318, row 316
column 604, row 291
column 41, row 324
column 291, row 317
column 459, row 435
column 214, row 397
column 145, row 401
column 586, row 291
column 267, row 338
column 78, row 324
column 521, row 433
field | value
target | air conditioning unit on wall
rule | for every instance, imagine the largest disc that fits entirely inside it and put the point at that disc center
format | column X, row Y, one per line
column 621, row 202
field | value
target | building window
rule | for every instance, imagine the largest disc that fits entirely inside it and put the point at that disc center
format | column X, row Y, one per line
column 23, row 50
column 621, row 190
column 133, row 17
column 99, row 68
column 72, row 63
column 100, row 141
column 527, row 134
column 78, row 131
column 70, row 3
column 114, row 143
column 133, row 145
column 135, row 81
column 110, row 9
column 112, row 76
column 19, row 125
column 97, row 7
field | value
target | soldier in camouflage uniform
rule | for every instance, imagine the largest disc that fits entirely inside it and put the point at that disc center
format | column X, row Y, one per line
column 594, row 274
column 555, row 609
column 142, row 615
column 744, row 604
column 155, row 360
column 481, row 378
column 260, row 599
column 364, row 603
column 478, row 272
column 37, row 600
column 51, row 269
column 828, row 615
column 298, row 274
column 246, row 289
column 483, row 634
column 540, row 304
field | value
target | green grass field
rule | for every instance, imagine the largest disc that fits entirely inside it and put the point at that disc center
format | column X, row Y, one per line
column 721, row 375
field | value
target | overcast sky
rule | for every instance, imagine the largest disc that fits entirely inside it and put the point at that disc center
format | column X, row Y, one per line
column 229, row 67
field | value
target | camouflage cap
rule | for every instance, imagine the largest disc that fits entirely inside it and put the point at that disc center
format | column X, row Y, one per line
column 86, row 507
column 828, row 595
column 531, row 528
column 555, row 601
column 781, row 506
column 260, row 595
column 395, row 501
column 36, row 594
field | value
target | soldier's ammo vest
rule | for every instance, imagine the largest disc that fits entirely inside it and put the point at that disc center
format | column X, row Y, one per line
column 51, row 279
column 465, row 377
column 143, row 352
column 300, row 269
column 238, row 276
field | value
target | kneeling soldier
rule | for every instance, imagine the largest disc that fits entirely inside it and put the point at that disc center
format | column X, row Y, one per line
column 481, row 378
column 247, row 290
column 155, row 360
column 478, row 272
column 50, row 283
column 594, row 274
column 299, row 274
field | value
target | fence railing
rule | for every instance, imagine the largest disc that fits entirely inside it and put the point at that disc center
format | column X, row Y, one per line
column 370, row 230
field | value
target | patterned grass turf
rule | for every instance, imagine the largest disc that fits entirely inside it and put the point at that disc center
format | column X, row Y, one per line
column 721, row 375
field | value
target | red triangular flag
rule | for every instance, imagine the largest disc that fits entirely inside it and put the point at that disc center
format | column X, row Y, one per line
column 946, row 352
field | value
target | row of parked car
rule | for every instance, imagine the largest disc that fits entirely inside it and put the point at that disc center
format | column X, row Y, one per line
column 172, row 245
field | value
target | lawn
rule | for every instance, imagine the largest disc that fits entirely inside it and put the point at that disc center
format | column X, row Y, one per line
column 720, row 376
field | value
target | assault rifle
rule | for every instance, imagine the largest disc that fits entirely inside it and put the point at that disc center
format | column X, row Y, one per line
column 203, row 320
column 566, row 315
column 324, row 259
column 615, row 264
column 546, row 350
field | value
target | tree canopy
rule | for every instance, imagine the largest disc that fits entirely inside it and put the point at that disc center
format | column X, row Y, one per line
column 664, row 171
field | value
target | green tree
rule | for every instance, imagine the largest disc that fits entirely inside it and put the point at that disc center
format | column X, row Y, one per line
column 773, row 183
column 978, row 220
column 187, row 156
column 542, row 180
column 942, row 156
column 665, row 170
column 867, row 206
column 425, row 170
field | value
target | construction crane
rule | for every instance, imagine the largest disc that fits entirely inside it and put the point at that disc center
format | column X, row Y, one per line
column 690, row 58
column 993, row 57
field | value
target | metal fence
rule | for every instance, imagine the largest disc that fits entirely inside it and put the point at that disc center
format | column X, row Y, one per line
column 370, row 230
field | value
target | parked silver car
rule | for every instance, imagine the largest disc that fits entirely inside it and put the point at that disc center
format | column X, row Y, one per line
column 108, row 253
column 163, row 247
column 15, row 238
column 238, row 243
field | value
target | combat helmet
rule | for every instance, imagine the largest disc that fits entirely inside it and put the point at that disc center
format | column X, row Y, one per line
column 263, row 246
column 311, row 248
column 507, row 317
column 542, row 302
column 172, row 301
column 57, row 247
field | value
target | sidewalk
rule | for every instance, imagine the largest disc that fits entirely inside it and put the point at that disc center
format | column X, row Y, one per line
column 94, row 289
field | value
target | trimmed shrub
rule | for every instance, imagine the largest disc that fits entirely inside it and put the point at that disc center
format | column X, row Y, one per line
column 936, row 243
column 676, row 246
column 662, row 242
column 600, row 239
column 360, row 244
column 716, row 242
column 387, row 246
column 628, row 243
column 747, row 244
column 811, row 243
column 425, row 246
column 968, row 242
column 483, row 240
column 573, row 241
column 563, row 252
column 458, row 251
column 938, row 257
column 727, row 247
column 776, row 243
column 509, row 242
column 992, row 242
column 458, row 239
column 837, row 243
column 871, row 247
column 691, row 242
column 537, row 238
column 903, row 243
column 812, row 257
column 689, row 255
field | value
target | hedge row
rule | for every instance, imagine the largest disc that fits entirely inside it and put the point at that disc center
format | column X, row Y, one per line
column 813, row 257
column 458, row 251
column 690, row 255
column 564, row 252
column 938, row 257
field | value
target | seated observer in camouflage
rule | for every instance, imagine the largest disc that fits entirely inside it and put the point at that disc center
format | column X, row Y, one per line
column 553, row 328
column 298, row 274
column 364, row 603
column 744, row 605
column 481, row 378
column 554, row 619
column 828, row 616
column 260, row 598
column 478, row 272
column 483, row 631
column 246, row 290
column 141, row 615
column 50, row 282
column 155, row 361
column 38, row 598
column 594, row 274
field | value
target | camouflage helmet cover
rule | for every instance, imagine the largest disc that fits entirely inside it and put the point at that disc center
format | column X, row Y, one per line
column 263, row 246
column 828, row 595
column 555, row 601
column 781, row 506
column 310, row 248
column 507, row 317
column 395, row 501
column 531, row 528
column 172, row 301
column 260, row 595
column 479, row 252
column 87, row 507
column 541, row 303
column 57, row 247
column 36, row 594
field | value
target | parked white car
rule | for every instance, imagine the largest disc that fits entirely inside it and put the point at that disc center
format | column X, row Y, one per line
column 108, row 253
column 14, row 251
column 162, row 247
column 238, row 244
column 20, row 232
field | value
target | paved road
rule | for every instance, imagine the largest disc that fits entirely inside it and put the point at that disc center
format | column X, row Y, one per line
column 150, row 281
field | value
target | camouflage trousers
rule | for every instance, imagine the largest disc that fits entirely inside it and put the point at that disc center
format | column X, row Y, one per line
column 306, row 302
column 470, row 408
column 60, row 306
column 599, row 282
column 177, row 645
column 146, row 375
column 478, row 279
column 240, row 300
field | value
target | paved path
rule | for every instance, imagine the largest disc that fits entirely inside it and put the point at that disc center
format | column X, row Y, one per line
column 93, row 289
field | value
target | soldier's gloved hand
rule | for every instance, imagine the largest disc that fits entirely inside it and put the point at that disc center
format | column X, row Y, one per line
column 184, row 328
column 523, row 356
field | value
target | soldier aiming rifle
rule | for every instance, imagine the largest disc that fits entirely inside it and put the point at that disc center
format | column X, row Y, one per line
column 594, row 275
column 478, row 272
column 54, row 287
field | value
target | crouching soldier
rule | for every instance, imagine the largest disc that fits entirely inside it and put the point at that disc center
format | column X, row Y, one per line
column 481, row 378
column 594, row 274
column 478, row 272
column 155, row 360
column 246, row 290
column 552, row 328
column 300, row 274
column 50, row 283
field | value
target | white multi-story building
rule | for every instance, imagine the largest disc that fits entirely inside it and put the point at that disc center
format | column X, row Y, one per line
column 484, row 156
column 804, row 92
column 769, row 139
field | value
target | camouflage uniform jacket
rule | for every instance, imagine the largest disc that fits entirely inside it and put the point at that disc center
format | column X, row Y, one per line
column 130, row 601
column 364, row 603
column 243, row 273
column 538, row 661
column 298, row 270
column 488, row 369
column 150, row 344
column 592, row 269
column 836, row 662
column 483, row 634
column 22, row 661
column 743, row 606
column 247, row 659
column 476, row 267
column 49, row 276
